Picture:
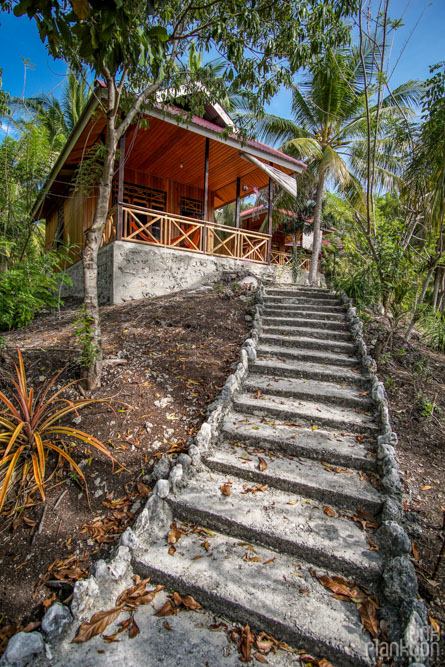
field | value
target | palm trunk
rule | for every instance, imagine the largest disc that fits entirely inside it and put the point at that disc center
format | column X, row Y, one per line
column 316, row 244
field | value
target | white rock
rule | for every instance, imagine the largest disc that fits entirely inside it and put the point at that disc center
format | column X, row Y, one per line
column 176, row 475
column 162, row 488
column 84, row 596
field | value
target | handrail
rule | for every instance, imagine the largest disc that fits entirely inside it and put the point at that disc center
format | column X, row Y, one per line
column 169, row 230
column 184, row 218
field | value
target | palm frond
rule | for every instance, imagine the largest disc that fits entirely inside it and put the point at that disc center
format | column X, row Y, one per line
column 273, row 129
column 334, row 166
column 305, row 147
column 407, row 95
column 301, row 109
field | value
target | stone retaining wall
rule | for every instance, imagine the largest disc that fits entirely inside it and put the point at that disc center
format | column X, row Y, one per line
column 136, row 271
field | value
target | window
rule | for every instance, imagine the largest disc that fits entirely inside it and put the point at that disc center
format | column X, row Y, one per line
column 192, row 208
column 140, row 195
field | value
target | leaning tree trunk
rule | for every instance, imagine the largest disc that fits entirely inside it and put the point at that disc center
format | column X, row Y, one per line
column 93, row 370
column 420, row 301
column 316, row 243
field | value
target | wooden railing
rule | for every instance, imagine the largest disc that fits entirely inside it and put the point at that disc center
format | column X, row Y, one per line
column 285, row 258
column 280, row 258
column 167, row 230
column 109, row 231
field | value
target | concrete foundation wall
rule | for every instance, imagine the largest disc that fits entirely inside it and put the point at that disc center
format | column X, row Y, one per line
column 104, row 277
column 135, row 271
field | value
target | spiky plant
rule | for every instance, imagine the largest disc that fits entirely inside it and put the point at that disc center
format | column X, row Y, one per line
column 31, row 428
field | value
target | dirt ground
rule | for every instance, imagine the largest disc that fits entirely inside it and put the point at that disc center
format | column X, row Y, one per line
column 168, row 357
column 414, row 377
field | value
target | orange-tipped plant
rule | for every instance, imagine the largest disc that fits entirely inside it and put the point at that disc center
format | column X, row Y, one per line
column 30, row 427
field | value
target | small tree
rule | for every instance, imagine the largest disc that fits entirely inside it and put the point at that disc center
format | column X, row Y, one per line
column 134, row 46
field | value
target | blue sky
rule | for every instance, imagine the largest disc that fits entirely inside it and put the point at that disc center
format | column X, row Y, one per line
column 19, row 39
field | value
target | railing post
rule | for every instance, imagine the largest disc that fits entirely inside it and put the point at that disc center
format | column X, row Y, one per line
column 269, row 219
column 206, row 194
column 120, row 189
column 238, row 203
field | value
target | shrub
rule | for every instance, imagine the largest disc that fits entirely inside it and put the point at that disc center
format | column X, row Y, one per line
column 27, row 287
column 30, row 428
column 433, row 325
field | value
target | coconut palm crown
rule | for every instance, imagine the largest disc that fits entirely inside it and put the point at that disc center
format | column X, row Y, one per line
column 329, row 120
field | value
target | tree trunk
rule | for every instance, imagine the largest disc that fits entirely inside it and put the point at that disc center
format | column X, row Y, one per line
column 93, row 372
column 316, row 243
column 437, row 283
column 415, row 316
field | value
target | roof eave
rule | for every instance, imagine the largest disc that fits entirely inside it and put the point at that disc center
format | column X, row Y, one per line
column 279, row 159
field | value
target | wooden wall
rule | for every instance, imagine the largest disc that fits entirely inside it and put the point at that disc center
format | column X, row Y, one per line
column 79, row 210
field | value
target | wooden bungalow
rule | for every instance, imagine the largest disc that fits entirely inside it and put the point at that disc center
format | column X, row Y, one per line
column 173, row 173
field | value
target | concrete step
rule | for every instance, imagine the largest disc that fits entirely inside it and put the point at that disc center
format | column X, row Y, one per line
column 307, row 413
column 344, row 487
column 307, row 353
column 343, row 449
column 300, row 291
column 308, row 332
column 311, row 343
column 323, row 304
column 266, row 518
column 306, row 314
column 315, row 390
column 295, row 320
column 272, row 593
column 310, row 370
column 271, row 302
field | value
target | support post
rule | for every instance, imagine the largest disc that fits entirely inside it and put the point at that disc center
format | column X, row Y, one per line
column 206, row 193
column 238, row 203
column 120, row 189
column 269, row 219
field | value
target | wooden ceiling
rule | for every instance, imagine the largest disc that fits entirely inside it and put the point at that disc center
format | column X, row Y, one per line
column 169, row 151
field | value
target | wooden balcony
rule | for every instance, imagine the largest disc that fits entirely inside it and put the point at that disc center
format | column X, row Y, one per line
column 167, row 230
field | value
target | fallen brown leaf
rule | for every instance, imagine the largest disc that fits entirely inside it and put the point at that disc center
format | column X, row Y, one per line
column 328, row 510
column 167, row 609
column 134, row 630
column 98, row 623
column 143, row 490
column 226, row 490
column 262, row 465
column 174, row 534
column 245, row 643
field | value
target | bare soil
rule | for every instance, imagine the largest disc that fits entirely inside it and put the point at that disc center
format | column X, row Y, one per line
column 173, row 355
column 414, row 377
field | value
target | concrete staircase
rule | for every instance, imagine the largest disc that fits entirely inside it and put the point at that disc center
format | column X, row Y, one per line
column 261, row 495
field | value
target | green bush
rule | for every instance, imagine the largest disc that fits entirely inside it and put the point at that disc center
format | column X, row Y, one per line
column 29, row 286
column 433, row 325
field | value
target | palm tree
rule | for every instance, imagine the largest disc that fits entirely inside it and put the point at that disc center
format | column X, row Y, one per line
column 328, row 110
column 57, row 117
column 75, row 97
